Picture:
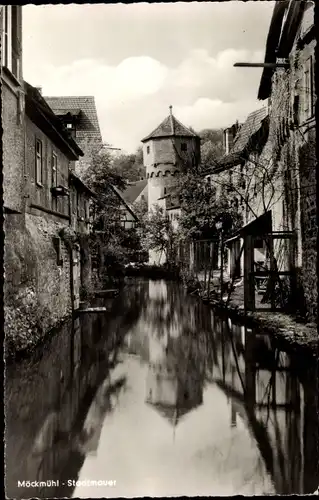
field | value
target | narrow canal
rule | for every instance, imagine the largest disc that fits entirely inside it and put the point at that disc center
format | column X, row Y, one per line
column 163, row 397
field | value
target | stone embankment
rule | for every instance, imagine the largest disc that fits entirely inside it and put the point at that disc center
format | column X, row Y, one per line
column 296, row 335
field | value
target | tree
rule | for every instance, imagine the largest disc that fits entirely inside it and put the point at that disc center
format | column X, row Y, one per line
column 211, row 146
column 129, row 167
column 111, row 244
column 159, row 234
column 200, row 209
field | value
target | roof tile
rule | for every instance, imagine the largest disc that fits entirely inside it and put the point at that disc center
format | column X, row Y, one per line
column 132, row 192
column 247, row 129
column 88, row 126
column 170, row 127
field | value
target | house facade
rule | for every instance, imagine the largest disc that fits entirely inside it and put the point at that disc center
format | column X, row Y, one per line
column 269, row 173
column 13, row 110
column 291, row 95
column 125, row 214
column 43, row 274
column 79, row 115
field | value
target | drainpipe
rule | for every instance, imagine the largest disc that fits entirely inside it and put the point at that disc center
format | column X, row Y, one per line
column 316, row 21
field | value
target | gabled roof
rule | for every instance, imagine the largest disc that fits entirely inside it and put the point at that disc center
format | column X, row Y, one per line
column 284, row 24
column 39, row 111
column 243, row 140
column 120, row 196
column 248, row 128
column 88, row 126
column 79, row 184
column 170, row 127
column 132, row 192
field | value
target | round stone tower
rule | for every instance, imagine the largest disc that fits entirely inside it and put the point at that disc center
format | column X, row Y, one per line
column 169, row 151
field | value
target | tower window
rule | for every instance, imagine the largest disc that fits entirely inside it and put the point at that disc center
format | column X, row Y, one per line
column 183, row 146
column 148, row 150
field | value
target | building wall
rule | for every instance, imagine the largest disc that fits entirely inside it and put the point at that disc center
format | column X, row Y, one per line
column 79, row 210
column 287, row 167
column 127, row 219
column 296, row 142
column 37, row 287
column 165, row 154
column 13, row 145
column 41, row 195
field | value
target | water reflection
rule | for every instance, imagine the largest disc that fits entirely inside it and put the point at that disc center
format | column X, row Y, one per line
column 164, row 397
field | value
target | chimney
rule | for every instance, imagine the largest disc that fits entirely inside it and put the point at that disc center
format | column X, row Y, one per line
column 39, row 89
column 230, row 134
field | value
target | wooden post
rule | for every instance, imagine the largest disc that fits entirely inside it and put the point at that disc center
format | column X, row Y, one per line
column 272, row 269
column 249, row 290
column 221, row 264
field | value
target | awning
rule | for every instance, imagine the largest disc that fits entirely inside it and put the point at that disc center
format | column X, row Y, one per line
column 258, row 227
column 232, row 239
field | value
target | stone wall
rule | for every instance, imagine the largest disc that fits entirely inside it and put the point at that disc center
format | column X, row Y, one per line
column 309, row 228
column 37, row 287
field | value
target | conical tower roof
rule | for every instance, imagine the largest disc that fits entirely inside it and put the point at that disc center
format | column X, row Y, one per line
column 170, row 127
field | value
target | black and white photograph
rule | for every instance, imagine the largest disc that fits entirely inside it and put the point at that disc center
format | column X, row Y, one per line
column 160, row 253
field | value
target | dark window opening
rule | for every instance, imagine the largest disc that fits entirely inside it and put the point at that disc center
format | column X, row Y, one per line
column 183, row 146
column 39, row 162
column 148, row 150
column 54, row 170
column 58, row 249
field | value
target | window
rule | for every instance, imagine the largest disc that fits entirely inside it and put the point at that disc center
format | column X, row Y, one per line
column 165, row 190
column 11, row 38
column 54, row 180
column 183, row 146
column 148, row 150
column 39, row 162
column 87, row 210
column 58, row 249
column 309, row 107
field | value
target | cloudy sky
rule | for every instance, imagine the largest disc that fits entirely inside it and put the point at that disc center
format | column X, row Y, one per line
column 137, row 59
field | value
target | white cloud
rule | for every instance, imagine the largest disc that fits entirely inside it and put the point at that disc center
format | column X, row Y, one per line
column 133, row 96
column 132, row 78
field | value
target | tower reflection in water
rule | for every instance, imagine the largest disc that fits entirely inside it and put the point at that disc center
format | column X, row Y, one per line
column 174, row 385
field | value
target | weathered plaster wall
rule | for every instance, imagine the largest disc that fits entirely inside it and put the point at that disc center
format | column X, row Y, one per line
column 41, row 195
column 13, row 147
column 37, row 289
